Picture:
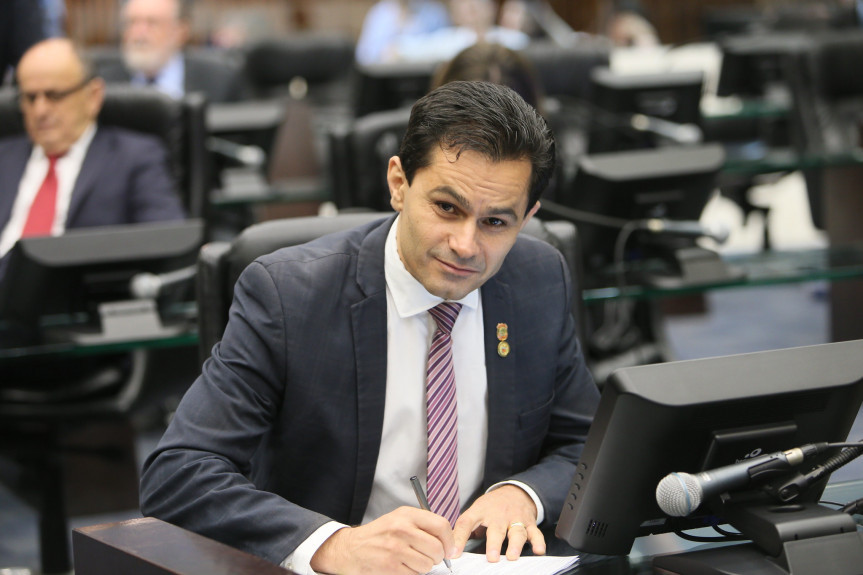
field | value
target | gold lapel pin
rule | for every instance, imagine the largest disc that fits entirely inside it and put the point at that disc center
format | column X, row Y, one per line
column 503, row 348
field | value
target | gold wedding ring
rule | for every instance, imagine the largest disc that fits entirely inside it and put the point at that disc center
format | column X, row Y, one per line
column 519, row 523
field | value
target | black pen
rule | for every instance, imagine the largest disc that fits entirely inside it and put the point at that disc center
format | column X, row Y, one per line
column 424, row 503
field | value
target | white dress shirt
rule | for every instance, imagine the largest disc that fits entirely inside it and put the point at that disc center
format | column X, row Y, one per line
column 67, row 169
column 404, row 439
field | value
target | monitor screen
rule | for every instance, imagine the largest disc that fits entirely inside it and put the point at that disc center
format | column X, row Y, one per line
column 666, row 183
column 665, row 101
column 696, row 415
column 72, row 274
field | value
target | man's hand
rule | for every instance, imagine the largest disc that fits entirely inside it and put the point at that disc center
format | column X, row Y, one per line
column 505, row 513
column 405, row 541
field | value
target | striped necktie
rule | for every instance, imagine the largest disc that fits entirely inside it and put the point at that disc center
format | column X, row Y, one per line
column 442, row 416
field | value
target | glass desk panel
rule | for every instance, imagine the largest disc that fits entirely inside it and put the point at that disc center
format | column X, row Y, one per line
column 759, row 269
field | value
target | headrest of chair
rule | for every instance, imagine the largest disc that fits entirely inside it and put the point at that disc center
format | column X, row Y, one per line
column 11, row 121
column 837, row 63
column 315, row 57
column 135, row 108
column 266, row 237
column 374, row 139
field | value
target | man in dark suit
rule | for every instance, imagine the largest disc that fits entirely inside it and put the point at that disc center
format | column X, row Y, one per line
column 66, row 172
column 311, row 414
column 21, row 26
column 154, row 35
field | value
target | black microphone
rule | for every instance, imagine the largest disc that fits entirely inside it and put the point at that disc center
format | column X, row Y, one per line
column 679, row 494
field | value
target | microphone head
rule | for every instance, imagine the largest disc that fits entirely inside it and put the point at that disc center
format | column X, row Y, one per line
column 678, row 494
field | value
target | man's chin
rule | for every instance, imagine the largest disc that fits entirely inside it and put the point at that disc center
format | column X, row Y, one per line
column 143, row 61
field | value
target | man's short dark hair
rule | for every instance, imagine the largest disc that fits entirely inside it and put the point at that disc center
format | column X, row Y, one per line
column 481, row 117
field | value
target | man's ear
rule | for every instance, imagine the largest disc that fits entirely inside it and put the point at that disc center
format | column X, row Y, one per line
column 530, row 214
column 397, row 182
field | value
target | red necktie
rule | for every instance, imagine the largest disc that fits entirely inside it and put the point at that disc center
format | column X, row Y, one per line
column 40, row 220
column 442, row 415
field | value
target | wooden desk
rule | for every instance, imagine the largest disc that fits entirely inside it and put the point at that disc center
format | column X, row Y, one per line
column 149, row 546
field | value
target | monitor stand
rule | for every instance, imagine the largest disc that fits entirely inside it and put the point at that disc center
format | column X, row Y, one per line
column 693, row 266
column 787, row 539
column 121, row 321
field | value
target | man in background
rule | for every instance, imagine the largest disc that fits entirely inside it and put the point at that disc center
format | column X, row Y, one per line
column 21, row 26
column 155, row 33
column 67, row 172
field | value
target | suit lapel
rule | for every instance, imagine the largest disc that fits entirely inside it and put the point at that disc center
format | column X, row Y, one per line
column 99, row 153
column 502, row 375
column 369, row 325
column 13, row 165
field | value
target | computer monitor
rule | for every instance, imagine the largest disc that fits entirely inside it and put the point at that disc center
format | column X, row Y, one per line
column 671, row 184
column 81, row 282
column 695, row 415
column 668, row 105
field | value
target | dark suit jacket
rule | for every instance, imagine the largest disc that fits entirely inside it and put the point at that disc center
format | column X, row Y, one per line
column 124, row 179
column 281, row 431
column 21, row 26
column 213, row 75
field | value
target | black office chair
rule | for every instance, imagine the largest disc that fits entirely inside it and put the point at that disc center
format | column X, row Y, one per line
column 40, row 402
column 313, row 66
column 221, row 263
column 178, row 123
column 359, row 153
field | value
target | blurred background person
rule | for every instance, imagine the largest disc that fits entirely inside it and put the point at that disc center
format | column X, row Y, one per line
column 54, row 12
column 67, row 172
column 21, row 26
column 154, row 35
column 627, row 24
column 493, row 63
column 472, row 21
column 388, row 21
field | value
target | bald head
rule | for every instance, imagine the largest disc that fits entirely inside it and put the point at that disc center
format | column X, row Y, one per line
column 59, row 97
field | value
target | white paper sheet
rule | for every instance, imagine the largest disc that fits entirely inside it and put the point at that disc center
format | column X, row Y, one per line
column 476, row 564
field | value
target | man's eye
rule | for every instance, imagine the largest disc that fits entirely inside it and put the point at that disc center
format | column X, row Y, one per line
column 448, row 208
column 496, row 222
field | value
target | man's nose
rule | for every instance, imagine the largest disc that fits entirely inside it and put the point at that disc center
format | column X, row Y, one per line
column 464, row 240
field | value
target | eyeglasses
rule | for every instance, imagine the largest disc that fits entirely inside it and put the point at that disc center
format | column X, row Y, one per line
column 52, row 96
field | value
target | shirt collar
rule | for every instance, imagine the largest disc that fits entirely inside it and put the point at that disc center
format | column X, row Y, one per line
column 169, row 79
column 409, row 295
column 77, row 150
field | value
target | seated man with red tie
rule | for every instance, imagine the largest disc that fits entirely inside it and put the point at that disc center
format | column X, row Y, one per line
column 67, row 172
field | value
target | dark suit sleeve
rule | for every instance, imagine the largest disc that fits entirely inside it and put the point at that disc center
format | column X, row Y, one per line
column 574, row 401
column 198, row 475
column 152, row 191
column 21, row 26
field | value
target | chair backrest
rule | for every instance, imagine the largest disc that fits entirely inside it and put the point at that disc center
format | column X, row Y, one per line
column 221, row 263
column 359, row 153
column 178, row 123
column 322, row 61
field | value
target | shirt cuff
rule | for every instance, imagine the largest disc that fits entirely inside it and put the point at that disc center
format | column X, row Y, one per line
column 540, row 512
column 301, row 559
